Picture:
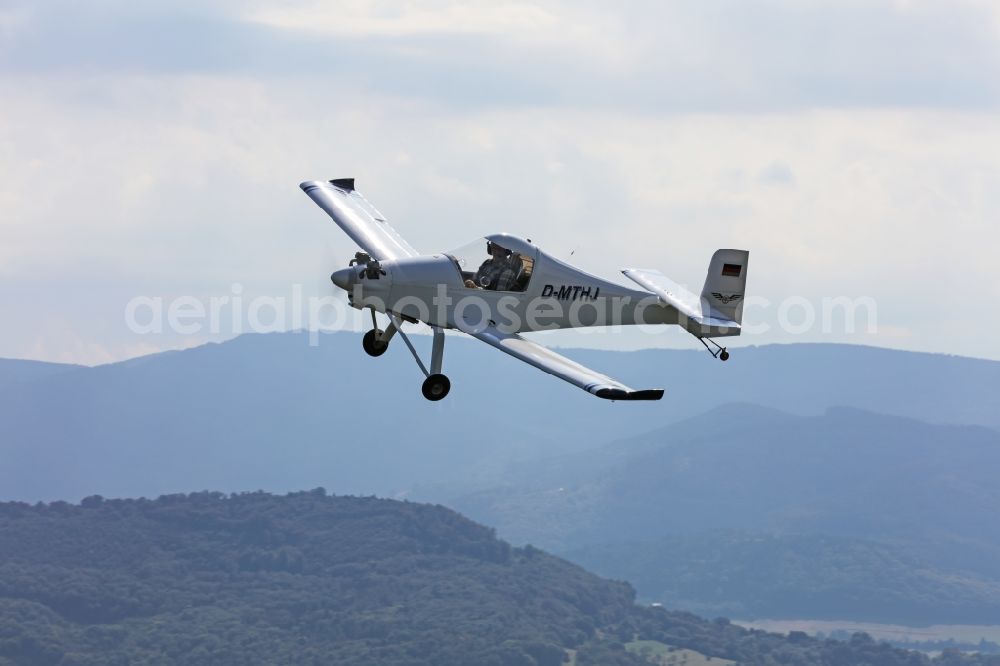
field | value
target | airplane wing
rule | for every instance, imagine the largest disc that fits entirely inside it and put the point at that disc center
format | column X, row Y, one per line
column 358, row 218
column 545, row 359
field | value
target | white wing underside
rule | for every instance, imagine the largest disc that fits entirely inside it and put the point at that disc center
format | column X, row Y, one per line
column 358, row 218
column 547, row 360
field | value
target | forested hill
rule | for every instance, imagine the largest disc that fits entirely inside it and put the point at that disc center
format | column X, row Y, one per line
column 311, row 579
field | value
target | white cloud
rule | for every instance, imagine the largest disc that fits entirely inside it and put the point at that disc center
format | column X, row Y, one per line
column 381, row 17
column 159, row 181
column 11, row 20
column 694, row 55
column 543, row 29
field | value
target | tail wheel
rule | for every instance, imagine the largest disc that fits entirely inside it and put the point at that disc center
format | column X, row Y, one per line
column 436, row 387
column 373, row 346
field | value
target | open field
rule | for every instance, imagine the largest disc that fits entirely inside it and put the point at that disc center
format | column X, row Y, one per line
column 671, row 656
column 963, row 633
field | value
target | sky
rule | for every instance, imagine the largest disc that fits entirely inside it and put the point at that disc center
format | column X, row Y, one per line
column 153, row 151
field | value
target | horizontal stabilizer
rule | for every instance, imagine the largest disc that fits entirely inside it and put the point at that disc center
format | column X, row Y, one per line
column 697, row 314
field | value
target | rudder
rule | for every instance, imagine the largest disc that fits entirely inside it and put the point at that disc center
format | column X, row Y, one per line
column 725, row 284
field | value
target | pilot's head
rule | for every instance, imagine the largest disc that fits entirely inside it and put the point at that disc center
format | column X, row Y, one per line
column 497, row 251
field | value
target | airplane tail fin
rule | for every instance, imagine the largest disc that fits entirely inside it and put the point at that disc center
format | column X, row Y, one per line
column 725, row 284
column 718, row 311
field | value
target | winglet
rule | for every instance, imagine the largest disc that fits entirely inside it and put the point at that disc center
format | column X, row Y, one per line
column 343, row 183
column 619, row 394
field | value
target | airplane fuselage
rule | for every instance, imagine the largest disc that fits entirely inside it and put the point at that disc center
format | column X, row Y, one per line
column 431, row 289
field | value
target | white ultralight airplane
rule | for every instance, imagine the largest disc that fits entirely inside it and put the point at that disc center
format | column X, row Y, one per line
column 515, row 287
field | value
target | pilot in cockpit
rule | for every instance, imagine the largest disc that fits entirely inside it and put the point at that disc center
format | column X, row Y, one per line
column 499, row 272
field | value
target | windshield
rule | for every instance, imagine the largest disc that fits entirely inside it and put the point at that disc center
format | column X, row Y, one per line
column 487, row 265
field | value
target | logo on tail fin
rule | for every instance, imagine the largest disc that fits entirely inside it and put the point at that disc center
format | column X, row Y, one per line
column 726, row 299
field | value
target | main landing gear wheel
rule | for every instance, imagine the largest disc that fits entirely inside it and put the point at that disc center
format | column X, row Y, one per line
column 436, row 387
column 723, row 355
column 373, row 346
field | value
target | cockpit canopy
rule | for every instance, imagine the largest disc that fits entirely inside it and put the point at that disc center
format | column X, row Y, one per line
column 496, row 263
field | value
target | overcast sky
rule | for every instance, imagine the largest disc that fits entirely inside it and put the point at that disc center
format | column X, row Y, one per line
column 852, row 146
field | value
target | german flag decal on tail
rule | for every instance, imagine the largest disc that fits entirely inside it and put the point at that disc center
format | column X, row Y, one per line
column 731, row 270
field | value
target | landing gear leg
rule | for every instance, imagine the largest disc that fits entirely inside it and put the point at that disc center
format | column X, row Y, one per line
column 376, row 341
column 719, row 352
column 436, row 386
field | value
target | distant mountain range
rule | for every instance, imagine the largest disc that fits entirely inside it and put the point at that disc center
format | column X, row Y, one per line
column 15, row 371
column 270, row 411
column 746, row 511
column 742, row 467
column 770, row 485
column 758, row 574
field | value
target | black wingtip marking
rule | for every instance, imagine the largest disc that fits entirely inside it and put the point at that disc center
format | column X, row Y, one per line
column 619, row 394
column 343, row 183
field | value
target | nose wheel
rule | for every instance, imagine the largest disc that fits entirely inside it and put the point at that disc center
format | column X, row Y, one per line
column 436, row 387
column 373, row 344
column 376, row 341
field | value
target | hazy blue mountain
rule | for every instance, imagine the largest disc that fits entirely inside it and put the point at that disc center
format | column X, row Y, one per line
column 845, row 472
column 808, row 378
column 14, row 371
column 270, row 411
column 724, row 513
column 772, row 575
